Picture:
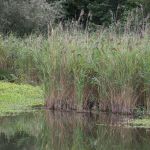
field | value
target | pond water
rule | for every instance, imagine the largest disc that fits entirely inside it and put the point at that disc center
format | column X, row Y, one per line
column 45, row 130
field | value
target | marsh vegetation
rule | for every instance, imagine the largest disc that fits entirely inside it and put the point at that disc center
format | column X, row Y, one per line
column 74, row 57
column 105, row 70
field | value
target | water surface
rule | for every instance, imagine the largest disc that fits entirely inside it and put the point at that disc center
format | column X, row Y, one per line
column 45, row 130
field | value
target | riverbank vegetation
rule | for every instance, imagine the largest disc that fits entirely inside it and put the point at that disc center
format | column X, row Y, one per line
column 82, row 64
column 107, row 70
column 102, row 71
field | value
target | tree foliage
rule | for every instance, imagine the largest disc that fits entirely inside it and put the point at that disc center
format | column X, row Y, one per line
column 103, row 11
column 27, row 16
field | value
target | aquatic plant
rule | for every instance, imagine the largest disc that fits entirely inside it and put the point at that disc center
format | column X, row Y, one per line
column 107, row 70
column 102, row 71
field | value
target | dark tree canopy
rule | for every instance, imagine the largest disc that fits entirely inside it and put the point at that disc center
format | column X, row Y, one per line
column 27, row 16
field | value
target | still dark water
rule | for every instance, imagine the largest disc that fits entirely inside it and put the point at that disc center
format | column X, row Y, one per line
column 45, row 130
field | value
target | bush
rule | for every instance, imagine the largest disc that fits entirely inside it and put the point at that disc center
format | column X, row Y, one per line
column 26, row 16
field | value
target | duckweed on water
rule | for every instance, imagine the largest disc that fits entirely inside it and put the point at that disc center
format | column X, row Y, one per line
column 141, row 123
column 16, row 98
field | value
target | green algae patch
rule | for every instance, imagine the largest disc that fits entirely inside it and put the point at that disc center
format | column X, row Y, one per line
column 141, row 123
column 16, row 98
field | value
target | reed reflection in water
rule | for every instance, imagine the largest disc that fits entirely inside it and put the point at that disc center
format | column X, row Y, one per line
column 46, row 130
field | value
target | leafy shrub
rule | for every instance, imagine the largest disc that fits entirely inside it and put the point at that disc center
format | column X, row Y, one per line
column 26, row 16
column 7, row 76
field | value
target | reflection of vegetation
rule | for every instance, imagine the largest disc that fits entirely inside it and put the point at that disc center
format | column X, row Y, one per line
column 20, row 132
column 20, row 141
column 29, row 123
column 79, row 132
column 18, row 98
column 68, row 131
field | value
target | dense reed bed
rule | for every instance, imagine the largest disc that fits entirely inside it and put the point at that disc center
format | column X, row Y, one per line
column 107, row 70
column 101, row 71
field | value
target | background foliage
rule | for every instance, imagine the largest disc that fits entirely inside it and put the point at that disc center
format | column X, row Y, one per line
column 28, row 16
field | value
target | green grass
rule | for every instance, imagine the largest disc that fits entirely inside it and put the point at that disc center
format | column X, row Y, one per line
column 16, row 98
